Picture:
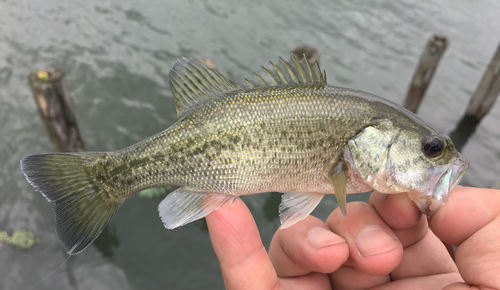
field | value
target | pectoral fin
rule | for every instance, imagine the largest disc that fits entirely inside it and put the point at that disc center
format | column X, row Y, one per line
column 296, row 206
column 182, row 206
column 339, row 180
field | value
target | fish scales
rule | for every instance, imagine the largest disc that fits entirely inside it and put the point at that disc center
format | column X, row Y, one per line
column 255, row 141
column 288, row 131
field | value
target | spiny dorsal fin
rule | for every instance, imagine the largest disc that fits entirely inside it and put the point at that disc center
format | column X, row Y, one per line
column 192, row 82
column 288, row 73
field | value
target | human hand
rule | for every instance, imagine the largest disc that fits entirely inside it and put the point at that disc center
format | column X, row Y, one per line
column 385, row 244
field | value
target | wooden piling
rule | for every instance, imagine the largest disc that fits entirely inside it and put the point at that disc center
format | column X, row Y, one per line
column 434, row 50
column 481, row 102
column 310, row 52
column 55, row 110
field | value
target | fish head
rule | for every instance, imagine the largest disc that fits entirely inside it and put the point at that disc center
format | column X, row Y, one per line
column 446, row 167
column 392, row 159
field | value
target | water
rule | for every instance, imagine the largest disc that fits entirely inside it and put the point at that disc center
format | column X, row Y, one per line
column 116, row 57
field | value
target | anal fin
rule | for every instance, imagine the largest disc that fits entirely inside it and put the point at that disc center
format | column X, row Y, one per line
column 182, row 206
column 296, row 206
column 339, row 180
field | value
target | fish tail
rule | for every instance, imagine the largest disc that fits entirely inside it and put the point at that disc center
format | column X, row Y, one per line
column 83, row 204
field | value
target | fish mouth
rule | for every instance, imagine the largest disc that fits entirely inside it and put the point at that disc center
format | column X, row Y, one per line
column 443, row 179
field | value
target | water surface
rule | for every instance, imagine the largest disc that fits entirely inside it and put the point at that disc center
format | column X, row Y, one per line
column 116, row 56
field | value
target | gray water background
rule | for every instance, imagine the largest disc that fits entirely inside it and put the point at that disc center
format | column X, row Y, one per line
column 116, row 56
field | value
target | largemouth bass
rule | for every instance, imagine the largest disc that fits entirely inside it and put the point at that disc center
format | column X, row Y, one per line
column 285, row 131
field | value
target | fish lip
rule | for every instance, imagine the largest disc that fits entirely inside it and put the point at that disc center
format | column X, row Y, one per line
column 442, row 181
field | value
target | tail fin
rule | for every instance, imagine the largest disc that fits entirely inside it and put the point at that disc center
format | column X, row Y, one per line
column 83, row 206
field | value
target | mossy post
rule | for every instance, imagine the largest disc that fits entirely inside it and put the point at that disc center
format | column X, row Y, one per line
column 434, row 50
column 481, row 102
column 55, row 110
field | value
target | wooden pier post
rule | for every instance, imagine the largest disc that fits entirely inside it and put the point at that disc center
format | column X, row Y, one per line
column 310, row 52
column 480, row 104
column 55, row 110
column 434, row 50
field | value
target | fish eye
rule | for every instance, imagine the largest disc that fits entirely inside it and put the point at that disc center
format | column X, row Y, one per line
column 433, row 147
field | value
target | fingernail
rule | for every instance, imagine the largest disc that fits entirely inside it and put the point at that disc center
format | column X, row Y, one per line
column 320, row 238
column 375, row 240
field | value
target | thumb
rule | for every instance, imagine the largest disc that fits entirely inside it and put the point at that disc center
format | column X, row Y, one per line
column 237, row 244
column 470, row 221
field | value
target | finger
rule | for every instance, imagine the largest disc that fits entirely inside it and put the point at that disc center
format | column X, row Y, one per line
column 348, row 277
column 374, row 249
column 308, row 246
column 237, row 244
column 424, row 254
column 401, row 214
column 313, row 280
column 397, row 210
column 470, row 220
column 436, row 282
column 468, row 210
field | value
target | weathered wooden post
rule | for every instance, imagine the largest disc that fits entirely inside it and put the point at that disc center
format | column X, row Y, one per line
column 55, row 110
column 434, row 50
column 310, row 52
column 481, row 102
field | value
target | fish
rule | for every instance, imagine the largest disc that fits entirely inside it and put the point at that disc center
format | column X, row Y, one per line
column 285, row 131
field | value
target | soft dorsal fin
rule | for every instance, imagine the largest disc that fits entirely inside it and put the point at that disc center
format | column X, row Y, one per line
column 288, row 73
column 192, row 82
